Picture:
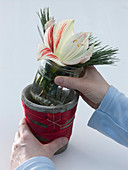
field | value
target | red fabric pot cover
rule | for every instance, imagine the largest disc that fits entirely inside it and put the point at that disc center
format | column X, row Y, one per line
column 48, row 126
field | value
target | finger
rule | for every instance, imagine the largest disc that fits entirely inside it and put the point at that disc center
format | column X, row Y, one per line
column 70, row 82
column 57, row 144
column 22, row 122
column 13, row 146
column 17, row 136
column 23, row 127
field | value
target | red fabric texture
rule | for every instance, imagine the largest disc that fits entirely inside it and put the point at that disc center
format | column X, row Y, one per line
column 54, row 125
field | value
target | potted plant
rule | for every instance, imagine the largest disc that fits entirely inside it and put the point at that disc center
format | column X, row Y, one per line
column 49, row 108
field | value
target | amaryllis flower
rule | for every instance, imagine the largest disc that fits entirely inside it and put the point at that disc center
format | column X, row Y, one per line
column 64, row 47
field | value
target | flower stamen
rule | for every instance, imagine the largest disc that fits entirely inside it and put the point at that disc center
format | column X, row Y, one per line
column 74, row 40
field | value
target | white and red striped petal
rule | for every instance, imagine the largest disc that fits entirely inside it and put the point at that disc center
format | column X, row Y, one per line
column 74, row 46
column 62, row 32
column 80, row 58
column 45, row 53
column 88, row 54
column 49, row 23
column 84, row 36
column 48, row 38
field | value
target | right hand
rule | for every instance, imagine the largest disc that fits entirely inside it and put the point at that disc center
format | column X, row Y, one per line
column 26, row 146
column 92, row 86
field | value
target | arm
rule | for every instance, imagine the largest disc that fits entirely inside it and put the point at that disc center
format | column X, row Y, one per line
column 111, row 115
column 28, row 152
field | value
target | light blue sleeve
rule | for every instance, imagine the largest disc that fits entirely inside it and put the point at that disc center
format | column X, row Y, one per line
column 37, row 163
column 111, row 118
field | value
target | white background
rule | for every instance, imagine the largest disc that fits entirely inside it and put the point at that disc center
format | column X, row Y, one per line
column 108, row 20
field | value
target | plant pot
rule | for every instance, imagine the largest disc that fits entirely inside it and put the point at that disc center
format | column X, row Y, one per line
column 50, row 122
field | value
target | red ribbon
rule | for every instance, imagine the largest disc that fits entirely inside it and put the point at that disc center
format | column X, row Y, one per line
column 49, row 126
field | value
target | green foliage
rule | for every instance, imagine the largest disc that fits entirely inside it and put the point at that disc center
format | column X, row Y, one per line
column 101, row 55
column 44, row 18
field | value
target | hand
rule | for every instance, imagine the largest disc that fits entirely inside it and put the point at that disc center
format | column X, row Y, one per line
column 92, row 86
column 27, row 146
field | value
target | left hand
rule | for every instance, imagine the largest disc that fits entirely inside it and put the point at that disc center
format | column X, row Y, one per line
column 92, row 86
column 26, row 146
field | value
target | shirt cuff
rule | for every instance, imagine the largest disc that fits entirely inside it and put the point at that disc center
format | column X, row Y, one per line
column 37, row 163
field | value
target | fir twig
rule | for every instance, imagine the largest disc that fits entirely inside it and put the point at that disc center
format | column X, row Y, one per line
column 101, row 55
column 44, row 18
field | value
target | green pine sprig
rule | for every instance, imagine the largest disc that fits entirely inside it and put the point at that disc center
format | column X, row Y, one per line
column 101, row 55
column 44, row 18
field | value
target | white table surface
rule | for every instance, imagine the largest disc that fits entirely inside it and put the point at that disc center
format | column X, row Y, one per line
column 108, row 20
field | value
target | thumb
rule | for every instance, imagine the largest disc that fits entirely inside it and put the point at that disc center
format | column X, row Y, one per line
column 57, row 144
column 70, row 82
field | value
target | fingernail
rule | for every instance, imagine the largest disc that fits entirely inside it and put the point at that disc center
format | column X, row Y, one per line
column 59, row 80
column 64, row 141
